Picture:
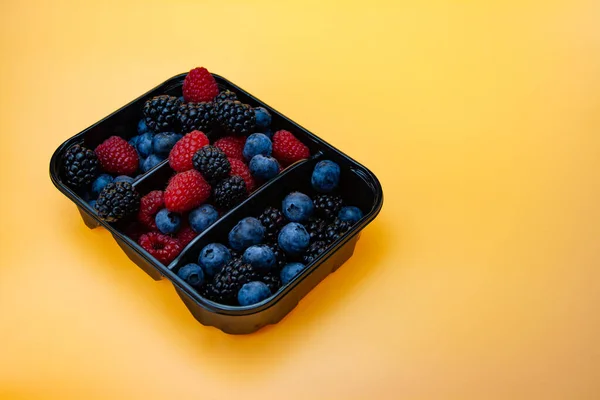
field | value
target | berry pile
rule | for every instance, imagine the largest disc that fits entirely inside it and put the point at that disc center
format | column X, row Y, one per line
column 220, row 149
column 271, row 249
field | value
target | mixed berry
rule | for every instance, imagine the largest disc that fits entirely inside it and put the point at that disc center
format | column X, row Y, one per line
column 263, row 252
column 219, row 148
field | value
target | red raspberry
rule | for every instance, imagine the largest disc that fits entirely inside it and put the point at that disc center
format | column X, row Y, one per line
column 186, row 190
column 164, row 248
column 287, row 149
column 186, row 235
column 232, row 146
column 117, row 156
column 238, row 167
column 150, row 204
column 199, row 85
column 180, row 158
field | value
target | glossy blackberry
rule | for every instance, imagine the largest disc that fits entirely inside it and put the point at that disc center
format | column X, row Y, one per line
column 160, row 113
column 280, row 257
column 212, row 163
column 314, row 250
column 225, row 95
column 336, row 230
column 81, row 166
column 236, row 118
column 196, row 117
column 229, row 280
column 316, row 228
column 230, row 192
column 327, row 205
column 117, row 201
column 272, row 280
column 273, row 220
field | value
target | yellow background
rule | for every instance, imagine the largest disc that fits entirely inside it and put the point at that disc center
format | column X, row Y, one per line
column 479, row 279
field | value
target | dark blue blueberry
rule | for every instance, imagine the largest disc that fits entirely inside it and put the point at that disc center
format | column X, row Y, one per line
column 99, row 184
column 203, row 217
column 257, row 143
column 164, row 142
column 290, row 271
column 252, row 293
column 213, row 257
column 142, row 127
column 249, row 231
column 263, row 118
column 260, row 257
column 123, row 178
column 293, row 238
column 144, row 144
column 326, row 176
column 152, row 161
column 167, row 222
column 297, row 207
column 350, row 214
column 264, row 167
column 192, row 274
column 134, row 141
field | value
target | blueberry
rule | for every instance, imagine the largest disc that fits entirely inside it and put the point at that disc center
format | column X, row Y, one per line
column 144, row 144
column 164, row 142
column 99, row 184
column 167, row 222
column 257, row 143
column 249, row 231
column 293, row 238
column 192, row 274
column 326, row 176
column 92, row 203
column 152, row 161
column 297, row 207
column 123, row 178
column 213, row 257
column 260, row 257
column 263, row 167
column 263, row 118
column 252, row 293
column 203, row 217
column 142, row 127
column 134, row 141
column 290, row 271
column 350, row 214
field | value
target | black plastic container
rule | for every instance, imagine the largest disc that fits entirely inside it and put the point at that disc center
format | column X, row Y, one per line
column 359, row 187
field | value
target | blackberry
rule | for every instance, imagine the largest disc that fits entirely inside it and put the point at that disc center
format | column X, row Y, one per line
column 225, row 95
column 273, row 220
column 314, row 250
column 336, row 229
column 230, row 192
column 117, row 201
column 229, row 280
column 236, row 118
column 81, row 166
column 272, row 280
column 160, row 113
column 212, row 163
column 196, row 117
column 316, row 228
column 280, row 257
column 327, row 205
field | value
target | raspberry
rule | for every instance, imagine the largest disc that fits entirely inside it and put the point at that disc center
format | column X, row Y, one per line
column 135, row 231
column 150, row 204
column 287, row 149
column 186, row 235
column 117, row 156
column 162, row 247
column 180, row 158
column 186, row 190
column 199, row 85
column 239, row 168
column 232, row 146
